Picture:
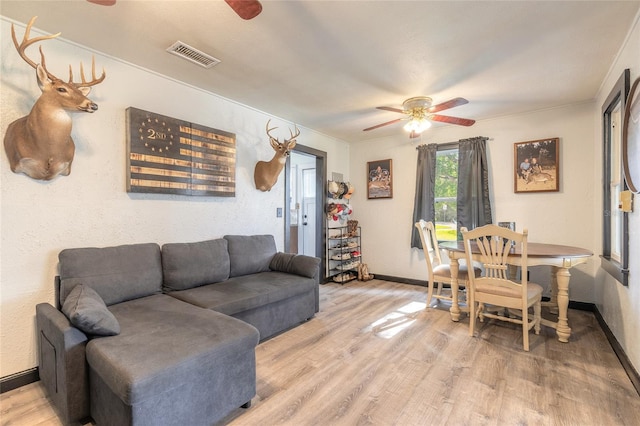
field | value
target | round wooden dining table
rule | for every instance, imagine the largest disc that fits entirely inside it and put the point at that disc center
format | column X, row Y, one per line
column 560, row 258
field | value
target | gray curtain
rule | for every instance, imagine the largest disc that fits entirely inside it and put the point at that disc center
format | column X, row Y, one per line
column 423, row 205
column 474, row 205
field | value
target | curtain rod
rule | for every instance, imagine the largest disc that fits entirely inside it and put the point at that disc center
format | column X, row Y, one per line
column 446, row 145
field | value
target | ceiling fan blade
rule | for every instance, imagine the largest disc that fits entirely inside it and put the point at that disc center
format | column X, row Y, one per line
column 383, row 124
column 452, row 120
column 448, row 104
column 246, row 9
column 103, row 2
column 391, row 109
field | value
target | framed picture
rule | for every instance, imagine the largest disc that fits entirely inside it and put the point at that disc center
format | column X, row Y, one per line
column 379, row 179
column 536, row 166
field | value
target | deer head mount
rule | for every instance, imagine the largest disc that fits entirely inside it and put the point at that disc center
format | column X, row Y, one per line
column 266, row 172
column 39, row 144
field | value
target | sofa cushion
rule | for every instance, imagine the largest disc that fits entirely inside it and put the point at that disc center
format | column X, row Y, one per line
column 86, row 311
column 187, row 265
column 165, row 343
column 116, row 273
column 250, row 254
column 247, row 292
column 305, row 266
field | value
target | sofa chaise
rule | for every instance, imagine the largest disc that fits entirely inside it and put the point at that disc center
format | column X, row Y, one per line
column 149, row 336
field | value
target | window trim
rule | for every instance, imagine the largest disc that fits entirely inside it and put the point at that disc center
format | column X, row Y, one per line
column 618, row 270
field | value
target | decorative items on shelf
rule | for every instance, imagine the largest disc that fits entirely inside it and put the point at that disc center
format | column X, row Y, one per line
column 352, row 228
column 337, row 210
column 340, row 190
column 343, row 252
column 343, row 245
column 344, row 277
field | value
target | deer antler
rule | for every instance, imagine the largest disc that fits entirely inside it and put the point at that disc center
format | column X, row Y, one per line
column 269, row 130
column 296, row 135
column 26, row 42
column 94, row 80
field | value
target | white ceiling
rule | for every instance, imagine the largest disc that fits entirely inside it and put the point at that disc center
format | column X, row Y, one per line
column 326, row 65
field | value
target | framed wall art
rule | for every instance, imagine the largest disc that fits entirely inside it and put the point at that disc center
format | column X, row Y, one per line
column 166, row 155
column 536, row 166
column 379, row 179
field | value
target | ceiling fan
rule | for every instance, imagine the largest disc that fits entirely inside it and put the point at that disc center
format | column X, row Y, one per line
column 419, row 113
column 246, row 9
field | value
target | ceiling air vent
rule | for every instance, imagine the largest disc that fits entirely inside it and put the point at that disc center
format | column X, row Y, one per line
column 192, row 55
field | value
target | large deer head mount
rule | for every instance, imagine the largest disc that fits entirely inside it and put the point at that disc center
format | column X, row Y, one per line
column 266, row 172
column 39, row 144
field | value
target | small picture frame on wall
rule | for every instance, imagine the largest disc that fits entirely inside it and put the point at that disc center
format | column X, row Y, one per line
column 536, row 166
column 379, row 179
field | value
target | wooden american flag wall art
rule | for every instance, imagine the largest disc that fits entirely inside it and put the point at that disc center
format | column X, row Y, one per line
column 170, row 156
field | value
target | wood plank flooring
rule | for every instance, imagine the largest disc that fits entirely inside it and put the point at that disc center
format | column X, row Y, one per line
column 375, row 356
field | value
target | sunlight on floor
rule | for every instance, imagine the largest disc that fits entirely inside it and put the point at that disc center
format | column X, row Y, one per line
column 396, row 321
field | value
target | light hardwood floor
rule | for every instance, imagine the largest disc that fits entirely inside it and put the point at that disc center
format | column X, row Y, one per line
column 374, row 355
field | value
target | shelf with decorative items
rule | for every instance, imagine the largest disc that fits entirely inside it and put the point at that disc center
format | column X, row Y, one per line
column 344, row 255
column 343, row 244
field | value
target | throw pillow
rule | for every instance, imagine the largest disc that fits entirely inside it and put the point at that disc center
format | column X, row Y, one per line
column 281, row 262
column 188, row 265
column 250, row 254
column 87, row 311
column 305, row 266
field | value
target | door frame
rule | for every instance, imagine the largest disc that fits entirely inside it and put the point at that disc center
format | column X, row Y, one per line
column 321, row 190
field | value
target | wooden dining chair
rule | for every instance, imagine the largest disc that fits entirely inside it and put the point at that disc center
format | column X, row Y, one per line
column 495, row 246
column 438, row 272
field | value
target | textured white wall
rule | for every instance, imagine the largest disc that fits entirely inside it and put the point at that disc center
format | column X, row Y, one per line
column 91, row 206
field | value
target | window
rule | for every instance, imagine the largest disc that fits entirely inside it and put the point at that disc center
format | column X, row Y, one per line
column 446, row 193
column 615, row 241
column 452, row 188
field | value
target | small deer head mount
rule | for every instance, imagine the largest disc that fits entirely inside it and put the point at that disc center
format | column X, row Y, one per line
column 266, row 172
column 40, row 145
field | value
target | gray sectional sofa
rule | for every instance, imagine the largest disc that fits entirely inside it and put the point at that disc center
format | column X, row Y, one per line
column 151, row 336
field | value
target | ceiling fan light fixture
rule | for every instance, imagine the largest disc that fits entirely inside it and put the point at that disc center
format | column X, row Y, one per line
column 417, row 125
column 419, row 102
column 419, row 112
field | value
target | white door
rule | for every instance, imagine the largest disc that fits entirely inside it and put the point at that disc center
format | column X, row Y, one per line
column 307, row 235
